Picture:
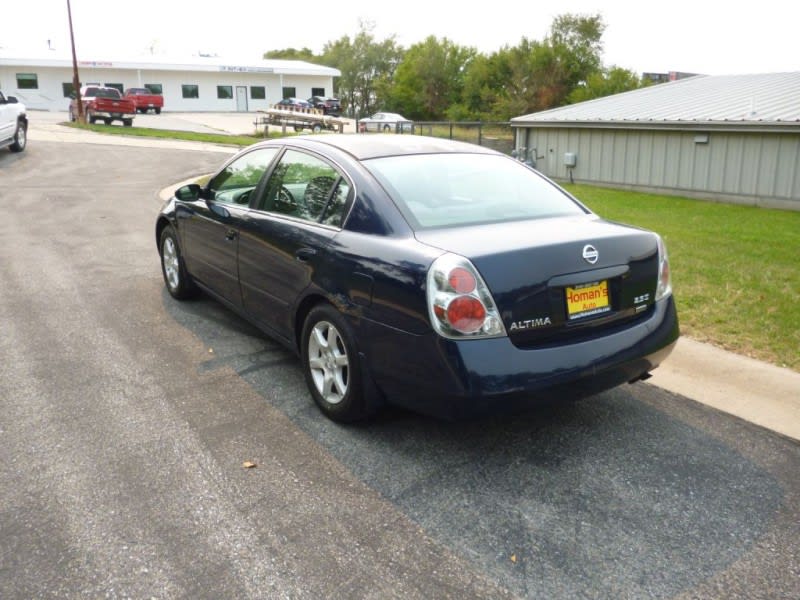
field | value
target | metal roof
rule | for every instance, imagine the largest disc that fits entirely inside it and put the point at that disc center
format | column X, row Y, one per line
column 770, row 99
column 157, row 62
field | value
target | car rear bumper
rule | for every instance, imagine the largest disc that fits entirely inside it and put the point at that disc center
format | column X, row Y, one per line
column 112, row 115
column 454, row 379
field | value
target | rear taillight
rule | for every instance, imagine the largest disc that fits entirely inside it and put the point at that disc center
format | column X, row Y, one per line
column 664, row 287
column 459, row 302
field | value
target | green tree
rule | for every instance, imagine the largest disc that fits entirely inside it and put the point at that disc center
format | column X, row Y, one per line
column 430, row 78
column 367, row 67
column 305, row 54
column 614, row 80
column 535, row 75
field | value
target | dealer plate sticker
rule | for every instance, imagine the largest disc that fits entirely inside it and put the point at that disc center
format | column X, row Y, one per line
column 587, row 299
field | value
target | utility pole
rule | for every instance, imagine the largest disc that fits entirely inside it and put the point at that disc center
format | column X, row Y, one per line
column 76, row 82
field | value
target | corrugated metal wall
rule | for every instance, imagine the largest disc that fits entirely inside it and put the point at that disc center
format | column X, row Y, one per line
column 749, row 168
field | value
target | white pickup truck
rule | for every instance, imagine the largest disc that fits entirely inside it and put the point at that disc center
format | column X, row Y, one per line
column 13, row 124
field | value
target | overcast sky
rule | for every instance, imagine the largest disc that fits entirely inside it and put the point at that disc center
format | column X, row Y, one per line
column 680, row 35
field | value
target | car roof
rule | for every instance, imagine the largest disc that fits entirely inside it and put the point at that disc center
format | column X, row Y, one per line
column 364, row 146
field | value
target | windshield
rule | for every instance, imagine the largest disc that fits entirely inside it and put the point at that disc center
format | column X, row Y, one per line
column 446, row 190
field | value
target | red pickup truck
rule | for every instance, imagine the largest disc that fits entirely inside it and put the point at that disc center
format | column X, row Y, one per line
column 103, row 104
column 144, row 100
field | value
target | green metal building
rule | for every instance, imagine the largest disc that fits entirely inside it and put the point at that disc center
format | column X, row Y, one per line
column 733, row 138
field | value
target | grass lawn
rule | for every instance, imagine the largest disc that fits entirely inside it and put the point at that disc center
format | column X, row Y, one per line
column 735, row 269
column 214, row 138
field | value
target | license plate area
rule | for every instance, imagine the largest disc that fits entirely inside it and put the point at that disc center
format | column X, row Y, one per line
column 587, row 299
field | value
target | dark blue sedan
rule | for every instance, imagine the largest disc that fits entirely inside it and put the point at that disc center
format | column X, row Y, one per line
column 436, row 275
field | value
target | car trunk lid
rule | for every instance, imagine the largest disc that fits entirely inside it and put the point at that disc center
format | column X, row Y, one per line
column 557, row 277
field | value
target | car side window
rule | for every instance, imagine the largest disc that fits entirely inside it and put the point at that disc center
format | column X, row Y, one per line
column 235, row 183
column 302, row 186
column 335, row 212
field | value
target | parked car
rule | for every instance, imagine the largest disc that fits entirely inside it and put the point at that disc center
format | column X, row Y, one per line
column 432, row 274
column 386, row 122
column 13, row 124
column 103, row 104
column 294, row 104
column 144, row 100
column 328, row 106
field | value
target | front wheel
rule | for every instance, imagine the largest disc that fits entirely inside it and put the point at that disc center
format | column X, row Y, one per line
column 90, row 116
column 387, row 128
column 127, row 122
column 331, row 365
column 316, row 128
column 20, row 137
column 179, row 282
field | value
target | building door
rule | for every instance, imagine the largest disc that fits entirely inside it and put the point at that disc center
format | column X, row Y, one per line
column 241, row 98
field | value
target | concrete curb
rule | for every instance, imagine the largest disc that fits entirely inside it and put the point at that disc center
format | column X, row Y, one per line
column 758, row 392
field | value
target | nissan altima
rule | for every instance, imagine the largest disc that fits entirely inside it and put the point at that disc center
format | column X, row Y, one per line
column 435, row 275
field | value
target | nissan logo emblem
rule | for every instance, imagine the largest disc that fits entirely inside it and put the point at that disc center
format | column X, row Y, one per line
column 590, row 254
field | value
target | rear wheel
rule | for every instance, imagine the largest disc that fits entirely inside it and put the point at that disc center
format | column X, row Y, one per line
column 386, row 129
column 20, row 137
column 158, row 111
column 331, row 365
column 127, row 122
column 179, row 282
column 90, row 117
column 107, row 121
column 316, row 128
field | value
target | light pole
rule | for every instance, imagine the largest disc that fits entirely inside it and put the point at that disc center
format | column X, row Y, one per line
column 76, row 82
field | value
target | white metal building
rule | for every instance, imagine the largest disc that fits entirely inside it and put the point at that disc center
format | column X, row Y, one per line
column 730, row 137
column 191, row 84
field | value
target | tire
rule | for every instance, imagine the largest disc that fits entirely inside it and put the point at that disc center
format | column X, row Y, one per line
column 387, row 128
column 127, row 122
column 316, row 128
column 107, row 121
column 90, row 118
column 179, row 283
column 158, row 111
column 20, row 137
column 331, row 365
column 298, row 128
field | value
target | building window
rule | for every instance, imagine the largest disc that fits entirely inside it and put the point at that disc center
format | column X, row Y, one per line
column 190, row 91
column 318, row 92
column 117, row 86
column 258, row 92
column 289, row 92
column 27, row 81
column 224, row 92
column 68, row 89
column 155, row 88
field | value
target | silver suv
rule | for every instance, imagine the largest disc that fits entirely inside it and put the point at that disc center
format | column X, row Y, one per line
column 13, row 124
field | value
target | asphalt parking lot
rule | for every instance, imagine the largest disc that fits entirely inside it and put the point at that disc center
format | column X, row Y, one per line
column 126, row 417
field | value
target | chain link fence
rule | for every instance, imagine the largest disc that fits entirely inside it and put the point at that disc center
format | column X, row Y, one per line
column 496, row 135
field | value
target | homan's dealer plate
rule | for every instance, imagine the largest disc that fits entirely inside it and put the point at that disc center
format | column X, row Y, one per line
column 587, row 299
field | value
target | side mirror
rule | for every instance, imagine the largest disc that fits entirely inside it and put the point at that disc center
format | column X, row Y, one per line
column 11, row 100
column 188, row 193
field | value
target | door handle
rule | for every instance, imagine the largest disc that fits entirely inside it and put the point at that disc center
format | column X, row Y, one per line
column 231, row 235
column 305, row 254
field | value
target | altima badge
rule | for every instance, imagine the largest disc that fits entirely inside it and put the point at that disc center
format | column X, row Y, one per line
column 590, row 254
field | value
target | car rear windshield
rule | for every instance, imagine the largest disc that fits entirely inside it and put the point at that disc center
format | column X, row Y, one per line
column 447, row 190
column 103, row 93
